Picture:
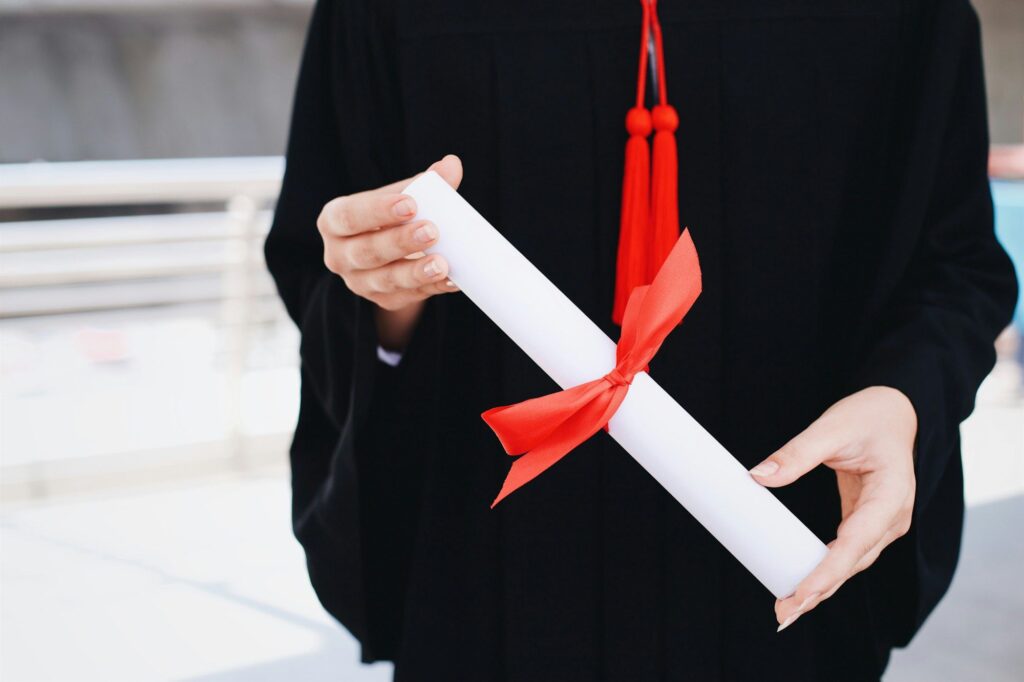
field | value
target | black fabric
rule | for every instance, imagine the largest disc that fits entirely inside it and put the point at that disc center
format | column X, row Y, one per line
column 832, row 172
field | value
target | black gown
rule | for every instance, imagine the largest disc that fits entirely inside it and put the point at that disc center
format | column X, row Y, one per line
column 833, row 175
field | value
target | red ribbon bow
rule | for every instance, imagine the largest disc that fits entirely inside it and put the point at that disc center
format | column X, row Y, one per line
column 547, row 428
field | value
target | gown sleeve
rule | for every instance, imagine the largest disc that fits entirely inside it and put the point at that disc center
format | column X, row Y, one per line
column 935, row 334
column 355, row 488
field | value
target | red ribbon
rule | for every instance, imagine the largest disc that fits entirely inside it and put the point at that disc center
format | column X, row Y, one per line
column 547, row 428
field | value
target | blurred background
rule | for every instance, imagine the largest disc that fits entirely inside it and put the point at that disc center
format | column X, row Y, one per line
column 148, row 375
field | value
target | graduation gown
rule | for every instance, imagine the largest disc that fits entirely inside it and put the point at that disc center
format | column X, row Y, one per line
column 833, row 175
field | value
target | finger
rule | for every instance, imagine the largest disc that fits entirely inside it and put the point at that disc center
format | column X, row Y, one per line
column 376, row 249
column 786, row 615
column 859, row 535
column 445, row 286
column 382, row 207
column 449, row 168
column 400, row 276
column 814, row 445
column 872, row 554
column 405, row 297
column 365, row 211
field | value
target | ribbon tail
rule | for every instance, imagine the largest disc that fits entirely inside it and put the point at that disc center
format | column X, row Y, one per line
column 662, row 306
column 627, row 339
column 563, row 439
column 525, row 425
column 674, row 289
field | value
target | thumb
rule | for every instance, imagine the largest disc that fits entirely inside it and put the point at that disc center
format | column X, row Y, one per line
column 449, row 168
column 794, row 459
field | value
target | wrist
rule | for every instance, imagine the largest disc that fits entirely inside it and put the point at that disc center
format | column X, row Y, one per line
column 896, row 409
column 901, row 405
column 395, row 327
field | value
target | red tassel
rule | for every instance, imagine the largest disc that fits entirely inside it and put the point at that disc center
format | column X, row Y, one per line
column 634, row 220
column 631, row 264
column 665, row 175
column 649, row 224
column 664, row 188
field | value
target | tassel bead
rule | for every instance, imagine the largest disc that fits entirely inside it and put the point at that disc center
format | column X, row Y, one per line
column 664, row 118
column 639, row 121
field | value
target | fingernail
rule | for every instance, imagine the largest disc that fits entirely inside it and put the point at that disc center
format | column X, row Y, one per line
column 789, row 621
column 807, row 602
column 799, row 611
column 425, row 233
column 451, row 284
column 404, row 207
column 765, row 468
column 431, row 269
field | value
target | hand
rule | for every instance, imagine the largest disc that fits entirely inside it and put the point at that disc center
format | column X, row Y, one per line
column 868, row 439
column 372, row 241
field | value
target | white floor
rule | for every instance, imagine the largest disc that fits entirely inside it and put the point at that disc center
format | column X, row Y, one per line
column 203, row 581
column 206, row 583
column 198, row 583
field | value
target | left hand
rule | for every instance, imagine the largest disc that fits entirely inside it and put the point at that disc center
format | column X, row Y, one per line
column 868, row 439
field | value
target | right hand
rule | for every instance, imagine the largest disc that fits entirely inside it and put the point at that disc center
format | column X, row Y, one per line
column 372, row 241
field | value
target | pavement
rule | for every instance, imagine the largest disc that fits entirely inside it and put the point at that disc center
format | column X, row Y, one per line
column 199, row 579
column 205, row 583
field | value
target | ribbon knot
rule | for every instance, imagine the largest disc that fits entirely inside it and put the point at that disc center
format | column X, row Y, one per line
column 617, row 378
column 545, row 429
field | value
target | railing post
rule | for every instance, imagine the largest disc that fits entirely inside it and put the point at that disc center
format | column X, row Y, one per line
column 237, row 319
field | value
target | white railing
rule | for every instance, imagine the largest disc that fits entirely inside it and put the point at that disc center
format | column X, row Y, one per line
column 151, row 253
column 36, row 254
column 91, row 183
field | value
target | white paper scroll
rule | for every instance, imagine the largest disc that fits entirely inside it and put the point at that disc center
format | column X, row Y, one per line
column 684, row 458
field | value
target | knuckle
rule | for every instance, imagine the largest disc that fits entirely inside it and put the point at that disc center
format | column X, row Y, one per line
column 328, row 215
column 417, row 276
column 358, row 286
column 331, row 262
column 369, row 286
column 336, row 258
column 388, row 246
column 341, row 215
column 407, row 236
column 363, row 255
column 353, row 286
column 381, row 208
column 410, row 233
column 404, row 241
column 381, row 282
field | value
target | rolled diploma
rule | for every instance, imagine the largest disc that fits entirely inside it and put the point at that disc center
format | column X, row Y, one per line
column 652, row 427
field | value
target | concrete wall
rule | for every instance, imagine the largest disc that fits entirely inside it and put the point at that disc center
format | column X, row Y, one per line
column 160, row 81
column 108, row 79
column 1002, row 31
